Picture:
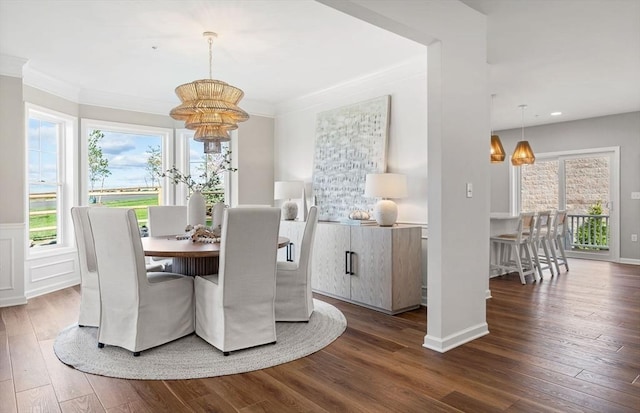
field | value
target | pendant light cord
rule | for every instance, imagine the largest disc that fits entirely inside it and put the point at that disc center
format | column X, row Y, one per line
column 210, row 57
column 491, row 113
column 523, row 108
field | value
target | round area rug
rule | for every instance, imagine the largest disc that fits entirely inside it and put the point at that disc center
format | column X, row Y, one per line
column 191, row 357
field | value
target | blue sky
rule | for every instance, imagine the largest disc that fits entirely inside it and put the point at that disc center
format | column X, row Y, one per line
column 127, row 156
column 126, row 153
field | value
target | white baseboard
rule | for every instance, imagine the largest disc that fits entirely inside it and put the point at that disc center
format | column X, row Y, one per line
column 442, row 345
column 11, row 301
column 631, row 261
column 487, row 294
column 51, row 288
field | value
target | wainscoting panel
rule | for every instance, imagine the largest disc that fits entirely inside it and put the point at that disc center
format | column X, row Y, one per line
column 6, row 264
column 51, row 272
column 52, row 269
column 12, row 265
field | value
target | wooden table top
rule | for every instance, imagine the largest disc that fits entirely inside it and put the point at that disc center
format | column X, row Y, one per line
column 169, row 246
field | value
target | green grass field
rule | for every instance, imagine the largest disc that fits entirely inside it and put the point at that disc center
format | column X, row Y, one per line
column 47, row 221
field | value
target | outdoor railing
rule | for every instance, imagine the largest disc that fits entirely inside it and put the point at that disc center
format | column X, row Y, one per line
column 589, row 232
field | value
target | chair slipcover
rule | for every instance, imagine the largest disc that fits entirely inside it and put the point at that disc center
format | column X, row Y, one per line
column 294, row 300
column 89, row 289
column 217, row 215
column 137, row 310
column 165, row 220
column 235, row 308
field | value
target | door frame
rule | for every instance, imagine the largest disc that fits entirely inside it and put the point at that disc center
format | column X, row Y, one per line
column 614, row 187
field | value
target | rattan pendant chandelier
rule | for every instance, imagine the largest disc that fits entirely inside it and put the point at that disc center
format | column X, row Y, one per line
column 210, row 107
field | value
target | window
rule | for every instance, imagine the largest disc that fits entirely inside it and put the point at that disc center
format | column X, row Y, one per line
column 191, row 158
column 583, row 182
column 122, row 164
column 50, row 177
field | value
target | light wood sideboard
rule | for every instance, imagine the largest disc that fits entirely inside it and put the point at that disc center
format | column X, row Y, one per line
column 376, row 267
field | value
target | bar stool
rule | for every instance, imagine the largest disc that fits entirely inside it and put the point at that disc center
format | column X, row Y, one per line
column 520, row 244
column 556, row 240
column 541, row 242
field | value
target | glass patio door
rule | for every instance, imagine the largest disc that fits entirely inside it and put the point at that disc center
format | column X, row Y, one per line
column 584, row 184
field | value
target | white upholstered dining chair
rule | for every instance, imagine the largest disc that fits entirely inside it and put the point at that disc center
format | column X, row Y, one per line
column 138, row 310
column 235, row 308
column 89, row 290
column 166, row 220
column 217, row 214
column 294, row 299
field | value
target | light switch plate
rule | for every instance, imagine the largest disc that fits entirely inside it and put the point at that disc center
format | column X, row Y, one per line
column 635, row 195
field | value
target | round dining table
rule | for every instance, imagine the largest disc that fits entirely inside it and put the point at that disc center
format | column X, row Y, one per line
column 189, row 258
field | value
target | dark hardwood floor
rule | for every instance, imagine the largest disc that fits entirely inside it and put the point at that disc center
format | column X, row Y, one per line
column 567, row 344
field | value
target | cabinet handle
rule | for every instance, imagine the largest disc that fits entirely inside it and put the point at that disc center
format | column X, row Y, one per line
column 290, row 252
column 346, row 262
column 351, row 272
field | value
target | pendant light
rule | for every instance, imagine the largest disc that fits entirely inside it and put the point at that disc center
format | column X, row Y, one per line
column 523, row 154
column 497, row 151
column 210, row 107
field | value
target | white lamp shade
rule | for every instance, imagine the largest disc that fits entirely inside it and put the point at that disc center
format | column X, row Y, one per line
column 288, row 189
column 385, row 185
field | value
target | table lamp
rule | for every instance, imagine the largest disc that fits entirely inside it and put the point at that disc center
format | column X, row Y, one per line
column 288, row 190
column 385, row 186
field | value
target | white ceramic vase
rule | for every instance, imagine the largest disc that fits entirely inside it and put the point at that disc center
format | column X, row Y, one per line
column 197, row 209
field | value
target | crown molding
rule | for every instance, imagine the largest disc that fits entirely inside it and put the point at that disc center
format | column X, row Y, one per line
column 34, row 78
column 57, row 87
column 415, row 66
column 11, row 65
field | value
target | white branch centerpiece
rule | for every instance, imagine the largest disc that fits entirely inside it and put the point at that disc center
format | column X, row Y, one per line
column 208, row 181
column 205, row 189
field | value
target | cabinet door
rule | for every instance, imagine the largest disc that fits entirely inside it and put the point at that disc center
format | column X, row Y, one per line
column 371, row 283
column 328, row 263
column 294, row 231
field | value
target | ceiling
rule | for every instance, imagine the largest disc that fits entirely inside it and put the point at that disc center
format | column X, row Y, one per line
column 578, row 57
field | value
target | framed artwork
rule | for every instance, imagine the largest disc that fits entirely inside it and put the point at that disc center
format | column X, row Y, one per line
column 351, row 142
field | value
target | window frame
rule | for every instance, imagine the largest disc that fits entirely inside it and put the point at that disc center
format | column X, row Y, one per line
column 167, row 151
column 66, row 176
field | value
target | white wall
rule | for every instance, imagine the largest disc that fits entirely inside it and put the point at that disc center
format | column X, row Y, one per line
column 252, row 152
column 458, row 112
column 295, row 128
column 621, row 130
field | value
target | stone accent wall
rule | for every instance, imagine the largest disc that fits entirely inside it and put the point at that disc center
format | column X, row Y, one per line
column 587, row 181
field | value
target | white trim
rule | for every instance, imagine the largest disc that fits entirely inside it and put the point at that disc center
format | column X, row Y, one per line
column 11, row 301
column 451, row 341
column 631, row 261
column 50, row 84
column 11, row 65
column 67, row 175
